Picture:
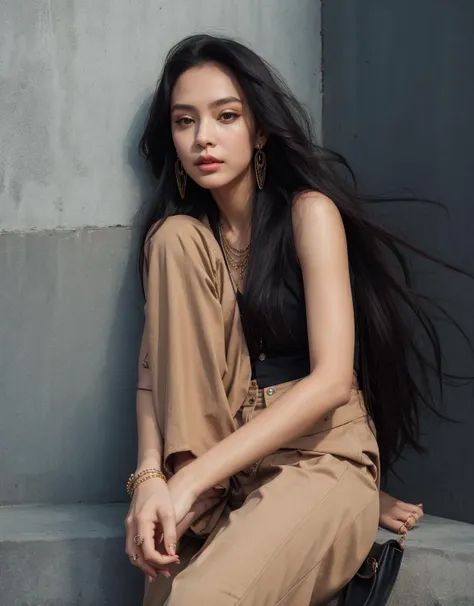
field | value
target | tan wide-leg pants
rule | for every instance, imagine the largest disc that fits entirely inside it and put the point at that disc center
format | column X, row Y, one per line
column 293, row 528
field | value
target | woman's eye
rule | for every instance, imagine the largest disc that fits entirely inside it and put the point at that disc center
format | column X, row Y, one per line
column 227, row 116
column 184, row 121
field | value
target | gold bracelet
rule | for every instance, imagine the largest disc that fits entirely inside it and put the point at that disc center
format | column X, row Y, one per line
column 132, row 480
column 131, row 485
column 135, row 476
column 144, row 479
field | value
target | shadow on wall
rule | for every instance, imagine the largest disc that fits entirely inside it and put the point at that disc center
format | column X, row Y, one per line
column 127, row 325
column 136, row 161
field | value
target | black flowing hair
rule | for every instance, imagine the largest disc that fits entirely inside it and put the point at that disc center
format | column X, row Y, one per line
column 394, row 369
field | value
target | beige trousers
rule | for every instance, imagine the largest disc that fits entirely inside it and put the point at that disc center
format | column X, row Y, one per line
column 293, row 528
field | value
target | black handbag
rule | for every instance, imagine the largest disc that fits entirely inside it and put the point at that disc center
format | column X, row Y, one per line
column 374, row 581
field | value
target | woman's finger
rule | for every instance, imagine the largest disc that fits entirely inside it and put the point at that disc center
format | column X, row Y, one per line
column 135, row 555
column 143, row 566
column 154, row 558
column 168, row 526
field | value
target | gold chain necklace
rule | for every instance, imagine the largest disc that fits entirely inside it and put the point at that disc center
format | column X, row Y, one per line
column 237, row 258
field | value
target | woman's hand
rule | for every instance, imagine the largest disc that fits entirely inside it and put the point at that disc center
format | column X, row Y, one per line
column 151, row 515
column 162, row 513
column 398, row 516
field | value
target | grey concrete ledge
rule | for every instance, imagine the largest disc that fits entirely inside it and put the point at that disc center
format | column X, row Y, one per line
column 73, row 555
column 24, row 523
column 438, row 565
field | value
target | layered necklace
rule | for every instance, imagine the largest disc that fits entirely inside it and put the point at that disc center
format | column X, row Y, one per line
column 237, row 258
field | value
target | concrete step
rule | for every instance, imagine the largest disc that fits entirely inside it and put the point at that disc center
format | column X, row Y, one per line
column 66, row 555
column 73, row 555
column 438, row 565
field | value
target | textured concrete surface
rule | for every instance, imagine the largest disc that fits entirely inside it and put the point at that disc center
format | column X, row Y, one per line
column 74, row 556
column 438, row 565
column 66, row 556
column 76, row 79
column 70, row 323
column 398, row 98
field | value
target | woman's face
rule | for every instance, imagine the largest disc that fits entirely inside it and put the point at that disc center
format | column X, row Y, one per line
column 212, row 126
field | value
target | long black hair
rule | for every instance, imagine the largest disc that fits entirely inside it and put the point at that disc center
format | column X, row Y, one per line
column 394, row 369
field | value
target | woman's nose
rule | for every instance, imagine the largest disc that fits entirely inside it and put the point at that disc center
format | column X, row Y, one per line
column 204, row 134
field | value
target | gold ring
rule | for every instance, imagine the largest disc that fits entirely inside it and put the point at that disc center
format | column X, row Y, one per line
column 138, row 539
column 400, row 529
column 134, row 557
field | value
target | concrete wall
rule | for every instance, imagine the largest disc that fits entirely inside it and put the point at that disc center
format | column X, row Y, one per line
column 76, row 79
column 398, row 99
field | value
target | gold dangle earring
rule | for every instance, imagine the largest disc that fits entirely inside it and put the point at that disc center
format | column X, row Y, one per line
column 181, row 177
column 260, row 162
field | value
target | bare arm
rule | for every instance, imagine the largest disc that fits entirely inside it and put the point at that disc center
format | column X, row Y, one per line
column 321, row 246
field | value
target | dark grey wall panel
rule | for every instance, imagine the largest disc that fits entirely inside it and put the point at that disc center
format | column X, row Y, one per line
column 398, row 99
column 70, row 312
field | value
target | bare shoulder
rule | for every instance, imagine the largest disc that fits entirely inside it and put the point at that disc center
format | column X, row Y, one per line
column 313, row 210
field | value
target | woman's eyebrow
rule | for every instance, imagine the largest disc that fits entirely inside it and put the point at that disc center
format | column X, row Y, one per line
column 217, row 103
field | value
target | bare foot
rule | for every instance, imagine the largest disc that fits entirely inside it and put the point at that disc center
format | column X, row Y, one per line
column 398, row 516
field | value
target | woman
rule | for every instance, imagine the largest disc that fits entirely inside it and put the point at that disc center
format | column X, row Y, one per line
column 273, row 349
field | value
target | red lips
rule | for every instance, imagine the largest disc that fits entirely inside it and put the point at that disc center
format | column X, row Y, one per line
column 208, row 160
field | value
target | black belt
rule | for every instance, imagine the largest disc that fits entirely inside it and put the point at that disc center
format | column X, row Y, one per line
column 272, row 370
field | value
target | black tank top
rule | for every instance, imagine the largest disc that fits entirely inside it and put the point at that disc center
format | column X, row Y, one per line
column 281, row 361
column 287, row 362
